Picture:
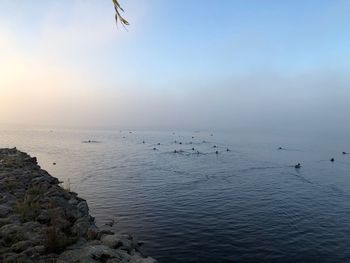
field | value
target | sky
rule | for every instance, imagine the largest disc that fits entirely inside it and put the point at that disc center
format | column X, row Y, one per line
column 182, row 65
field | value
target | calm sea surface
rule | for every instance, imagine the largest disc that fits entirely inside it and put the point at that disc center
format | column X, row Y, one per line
column 248, row 204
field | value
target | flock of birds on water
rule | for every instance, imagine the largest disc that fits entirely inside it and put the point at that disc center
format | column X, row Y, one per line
column 296, row 166
column 175, row 141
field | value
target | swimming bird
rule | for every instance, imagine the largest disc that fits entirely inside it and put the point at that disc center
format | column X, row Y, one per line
column 180, row 142
column 192, row 149
column 175, row 151
column 158, row 143
column 154, row 149
column 297, row 166
column 53, row 163
column 332, row 160
column 90, row 141
column 227, row 150
column 345, row 153
column 214, row 146
column 217, row 152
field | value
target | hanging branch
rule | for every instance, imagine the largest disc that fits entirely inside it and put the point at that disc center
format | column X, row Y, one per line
column 118, row 16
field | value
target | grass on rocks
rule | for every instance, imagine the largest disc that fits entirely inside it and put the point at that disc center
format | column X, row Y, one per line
column 28, row 209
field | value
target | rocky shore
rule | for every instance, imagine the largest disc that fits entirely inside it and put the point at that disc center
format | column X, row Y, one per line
column 42, row 222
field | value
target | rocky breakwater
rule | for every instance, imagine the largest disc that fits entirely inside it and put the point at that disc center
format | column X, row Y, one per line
column 42, row 222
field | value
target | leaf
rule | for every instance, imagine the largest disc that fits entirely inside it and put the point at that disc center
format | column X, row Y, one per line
column 122, row 20
column 117, row 5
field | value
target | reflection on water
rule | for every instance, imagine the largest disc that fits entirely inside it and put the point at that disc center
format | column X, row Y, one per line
column 196, row 205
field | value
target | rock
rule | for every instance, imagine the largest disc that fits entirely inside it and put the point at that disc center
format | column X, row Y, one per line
column 5, row 221
column 33, row 160
column 138, row 258
column 44, row 217
column 127, row 244
column 72, row 214
column 73, row 201
column 92, row 233
column 104, row 231
column 124, row 242
column 4, row 211
column 110, row 223
column 35, row 251
column 81, row 226
column 140, row 243
column 92, row 254
column 8, row 199
column 10, row 231
column 112, row 241
column 14, row 258
column 83, row 207
column 95, row 243
column 21, row 246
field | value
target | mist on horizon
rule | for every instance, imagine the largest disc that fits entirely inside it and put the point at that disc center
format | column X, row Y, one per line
column 267, row 66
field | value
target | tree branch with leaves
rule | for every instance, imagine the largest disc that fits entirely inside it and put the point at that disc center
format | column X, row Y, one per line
column 118, row 16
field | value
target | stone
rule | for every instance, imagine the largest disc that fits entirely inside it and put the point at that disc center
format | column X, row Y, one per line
column 83, row 207
column 138, row 258
column 9, row 230
column 21, row 246
column 4, row 211
column 14, row 258
column 93, row 254
column 73, row 201
column 35, row 251
column 81, row 226
column 44, row 217
column 112, row 241
column 92, row 233
column 104, row 231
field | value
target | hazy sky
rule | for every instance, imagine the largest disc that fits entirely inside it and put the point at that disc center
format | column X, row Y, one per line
column 185, row 64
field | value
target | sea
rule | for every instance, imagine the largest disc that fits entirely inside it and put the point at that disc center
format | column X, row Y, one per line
column 206, row 196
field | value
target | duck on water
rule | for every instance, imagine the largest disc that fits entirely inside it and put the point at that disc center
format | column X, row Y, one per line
column 90, row 141
column 297, row 166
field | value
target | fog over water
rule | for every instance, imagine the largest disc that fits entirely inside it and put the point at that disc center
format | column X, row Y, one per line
column 296, row 103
